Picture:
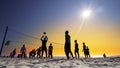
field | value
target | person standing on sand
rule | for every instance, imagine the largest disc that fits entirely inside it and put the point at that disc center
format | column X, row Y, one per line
column 87, row 52
column 104, row 55
column 23, row 51
column 39, row 52
column 76, row 49
column 13, row 53
column 50, row 51
column 44, row 40
column 84, row 50
column 67, row 47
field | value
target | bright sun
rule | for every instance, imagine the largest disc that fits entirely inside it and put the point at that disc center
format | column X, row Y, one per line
column 86, row 13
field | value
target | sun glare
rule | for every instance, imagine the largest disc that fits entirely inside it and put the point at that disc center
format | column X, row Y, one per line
column 86, row 13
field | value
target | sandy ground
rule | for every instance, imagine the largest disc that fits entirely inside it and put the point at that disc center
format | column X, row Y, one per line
column 60, row 62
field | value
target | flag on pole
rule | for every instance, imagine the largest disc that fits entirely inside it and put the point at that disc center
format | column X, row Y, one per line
column 7, row 43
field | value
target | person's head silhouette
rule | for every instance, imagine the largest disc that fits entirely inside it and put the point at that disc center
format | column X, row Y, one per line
column 75, row 41
column 23, row 45
column 83, row 43
column 66, row 32
column 44, row 33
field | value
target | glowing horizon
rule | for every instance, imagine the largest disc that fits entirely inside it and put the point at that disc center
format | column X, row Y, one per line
column 90, row 35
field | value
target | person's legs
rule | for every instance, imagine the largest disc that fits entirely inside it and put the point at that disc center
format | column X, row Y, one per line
column 75, row 55
column 85, row 54
column 24, row 54
column 13, row 55
column 88, row 55
column 51, row 55
column 46, row 52
column 39, row 55
column 78, row 54
column 67, row 53
column 21, row 54
column 71, row 54
column 42, row 52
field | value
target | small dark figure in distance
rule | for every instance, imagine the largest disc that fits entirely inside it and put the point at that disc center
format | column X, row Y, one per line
column 23, row 51
column 39, row 52
column 32, row 53
column 50, row 51
column 13, row 53
column 104, row 55
column 87, row 52
column 76, row 50
column 84, row 50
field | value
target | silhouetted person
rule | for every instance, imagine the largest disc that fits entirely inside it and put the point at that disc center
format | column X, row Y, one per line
column 104, row 55
column 13, row 53
column 39, row 52
column 67, row 46
column 87, row 52
column 34, row 53
column 44, row 40
column 30, row 54
column 84, row 50
column 23, row 51
column 50, row 51
column 76, row 49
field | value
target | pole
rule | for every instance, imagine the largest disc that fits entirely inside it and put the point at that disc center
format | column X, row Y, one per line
column 3, row 40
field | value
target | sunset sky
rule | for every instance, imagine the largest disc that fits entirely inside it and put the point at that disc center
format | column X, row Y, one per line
column 28, row 19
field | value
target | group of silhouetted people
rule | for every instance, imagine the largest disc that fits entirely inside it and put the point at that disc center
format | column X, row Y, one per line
column 67, row 47
column 38, row 52
column 49, row 52
column 32, row 53
column 44, row 40
column 86, row 51
column 22, row 52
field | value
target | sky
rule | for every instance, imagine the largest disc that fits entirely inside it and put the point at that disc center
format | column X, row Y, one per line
column 28, row 19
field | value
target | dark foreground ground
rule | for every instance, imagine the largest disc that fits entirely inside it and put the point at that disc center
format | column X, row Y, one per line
column 60, row 62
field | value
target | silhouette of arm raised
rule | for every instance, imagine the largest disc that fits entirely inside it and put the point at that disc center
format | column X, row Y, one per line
column 41, row 38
